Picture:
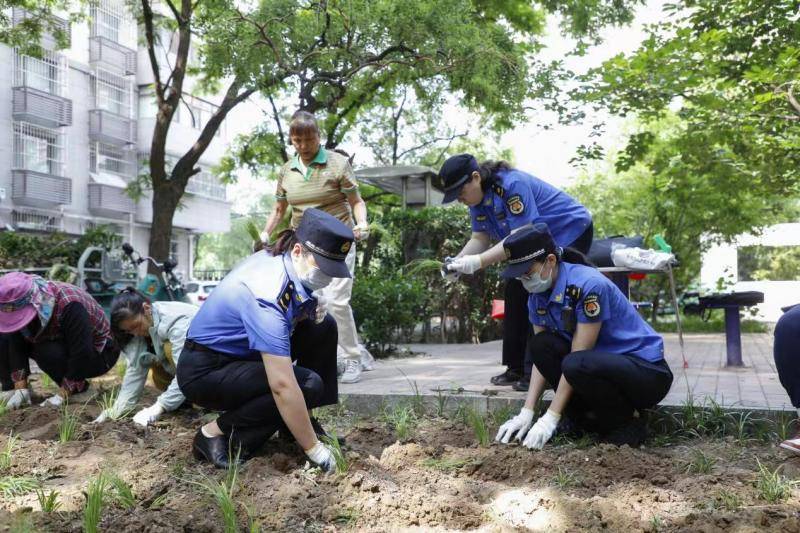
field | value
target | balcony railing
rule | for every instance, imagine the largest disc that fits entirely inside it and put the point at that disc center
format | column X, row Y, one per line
column 107, row 127
column 109, row 201
column 38, row 107
column 31, row 219
column 112, row 55
column 206, row 184
column 18, row 15
column 38, row 189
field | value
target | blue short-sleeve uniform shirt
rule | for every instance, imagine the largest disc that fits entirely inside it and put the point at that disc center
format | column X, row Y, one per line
column 517, row 199
column 623, row 330
column 254, row 309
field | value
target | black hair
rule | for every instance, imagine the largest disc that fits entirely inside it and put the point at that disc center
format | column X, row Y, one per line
column 303, row 122
column 284, row 243
column 488, row 172
column 128, row 304
column 568, row 255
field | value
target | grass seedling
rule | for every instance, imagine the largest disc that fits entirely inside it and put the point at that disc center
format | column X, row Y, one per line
column 728, row 500
column 501, row 414
column 656, row 524
column 120, row 367
column 95, row 499
column 3, row 408
column 701, row 463
column 441, row 402
column 68, row 426
column 107, row 401
column 717, row 418
column 8, row 453
column 159, row 502
column 564, row 479
column 346, row 516
column 402, row 420
column 48, row 502
column 17, row 485
column 771, row 485
column 22, row 523
column 253, row 524
column 47, row 382
column 450, row 464
column 123, row 494
column 741, row 425
column 338, row 453
column 417, row 401
column 783, row 425
column 222, row 493
column 478, row 423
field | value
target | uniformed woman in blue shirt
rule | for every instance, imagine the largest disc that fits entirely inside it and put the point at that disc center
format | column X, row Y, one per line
column 262, row 317
column 501, row 200
column 590, row 344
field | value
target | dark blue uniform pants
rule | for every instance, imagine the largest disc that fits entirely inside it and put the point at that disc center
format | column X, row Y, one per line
column 516, row 324
column 787, row 353
column 607, row 387
column 240, row 389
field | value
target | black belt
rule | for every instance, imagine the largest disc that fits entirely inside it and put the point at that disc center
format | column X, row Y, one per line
column 197, row 347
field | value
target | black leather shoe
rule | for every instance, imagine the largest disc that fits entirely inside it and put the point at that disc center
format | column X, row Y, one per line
column 213, row 449
column 633, row 434
column 509, row 377
column 522, row 385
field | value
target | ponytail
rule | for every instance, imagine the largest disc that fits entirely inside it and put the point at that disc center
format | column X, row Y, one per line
column 488, row 171
column 284, row 243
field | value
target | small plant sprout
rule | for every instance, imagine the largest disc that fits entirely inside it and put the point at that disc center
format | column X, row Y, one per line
column 68, row 426
column 120, row 367
column 346, row 516
column 564, row 478
column 222, row 492
column 772, row 487
column 402, row 419
column 656, row 524
column 253, row 524
column 338, row 454
column 22, row 523
column 107, row 401
column 95, row 500
column 48, row 502
column 501, row 414
column 728, row 500
column 17, row 485
column 7, row 454
column 783, row 425
column 448, row 464
column 700, row 463
column 441, row 402
column 47, row 382
column 478, row 423
column 123, row 494
column 741, row 426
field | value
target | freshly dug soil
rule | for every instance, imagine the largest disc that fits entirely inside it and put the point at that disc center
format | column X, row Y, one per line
column 437, row 479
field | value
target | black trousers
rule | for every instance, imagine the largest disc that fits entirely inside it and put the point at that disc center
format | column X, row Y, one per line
column 516, row 325
column 54, row 358
column 787, row 353
column 240, row 389
column 607, row 387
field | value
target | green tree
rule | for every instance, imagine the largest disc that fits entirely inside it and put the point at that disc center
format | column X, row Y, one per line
column 35, row 19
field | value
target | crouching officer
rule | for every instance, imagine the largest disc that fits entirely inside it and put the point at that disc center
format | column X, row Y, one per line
column 262, row 316
column 501, row 200
column 604, row 361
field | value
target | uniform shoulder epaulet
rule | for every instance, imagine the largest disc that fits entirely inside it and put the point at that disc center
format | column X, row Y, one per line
column 285, row 298
column 498, row 190
column 574, row 293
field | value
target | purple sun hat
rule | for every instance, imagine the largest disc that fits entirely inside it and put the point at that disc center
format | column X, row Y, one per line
column 16, row 305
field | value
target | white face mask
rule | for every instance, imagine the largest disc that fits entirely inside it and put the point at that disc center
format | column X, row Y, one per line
column 310, row 276
column 535, row 283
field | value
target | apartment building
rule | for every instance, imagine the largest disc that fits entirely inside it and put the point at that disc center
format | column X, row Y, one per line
column 76, row 127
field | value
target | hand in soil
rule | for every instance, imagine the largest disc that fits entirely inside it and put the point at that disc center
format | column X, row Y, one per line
column 148, row 415
column 520, row 425
column 53, row 401
column 541, row 431
column 322, row 456
column 18, row 398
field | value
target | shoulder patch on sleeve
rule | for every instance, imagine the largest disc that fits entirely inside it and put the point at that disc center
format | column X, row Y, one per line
column 515, row 204
column 591, row 305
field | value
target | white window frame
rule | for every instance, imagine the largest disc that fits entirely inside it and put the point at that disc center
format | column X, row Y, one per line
column 39, row 149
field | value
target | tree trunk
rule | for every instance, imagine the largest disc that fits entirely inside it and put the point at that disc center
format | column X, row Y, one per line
column 165, row 203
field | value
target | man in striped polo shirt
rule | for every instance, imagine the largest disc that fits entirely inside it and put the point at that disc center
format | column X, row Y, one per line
column 323, row 179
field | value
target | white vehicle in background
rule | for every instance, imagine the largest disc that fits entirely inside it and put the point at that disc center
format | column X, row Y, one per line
column 197, row 291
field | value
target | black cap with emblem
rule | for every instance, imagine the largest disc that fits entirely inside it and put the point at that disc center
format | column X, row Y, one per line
column 454, row 174
column 328, row 239
column 523, row 247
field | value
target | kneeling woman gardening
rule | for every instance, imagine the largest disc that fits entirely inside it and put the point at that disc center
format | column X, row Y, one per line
column 153, row 335
column 604, row 361
column 262, row 317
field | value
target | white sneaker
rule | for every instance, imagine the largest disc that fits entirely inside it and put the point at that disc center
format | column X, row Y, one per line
column 352, row 371
column 366, row 360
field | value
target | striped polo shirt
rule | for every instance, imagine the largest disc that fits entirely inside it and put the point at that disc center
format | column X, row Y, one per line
column 324, row 185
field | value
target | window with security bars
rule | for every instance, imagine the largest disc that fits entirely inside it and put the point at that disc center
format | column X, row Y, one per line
column 47, row 73
column 36, row 221
column 110, row 19
column 107, row 158
column 39, row 149
column 207, row 184
column 113, row 93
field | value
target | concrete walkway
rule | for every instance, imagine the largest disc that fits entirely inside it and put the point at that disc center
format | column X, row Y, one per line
column 466, row 369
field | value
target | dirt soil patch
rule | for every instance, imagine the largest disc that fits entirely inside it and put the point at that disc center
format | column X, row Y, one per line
column 436, row 479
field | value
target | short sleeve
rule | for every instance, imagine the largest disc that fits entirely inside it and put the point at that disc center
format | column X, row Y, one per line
column 347, row 181
column 280, row 192
column 520, row 204
column 478, row 219
column 266, row 326
column 595, row 304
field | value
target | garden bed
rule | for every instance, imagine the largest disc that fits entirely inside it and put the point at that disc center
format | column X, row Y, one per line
column 405, row 471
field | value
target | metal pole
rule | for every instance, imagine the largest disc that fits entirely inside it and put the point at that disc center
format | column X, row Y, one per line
column 674, row 295
column 733, row 336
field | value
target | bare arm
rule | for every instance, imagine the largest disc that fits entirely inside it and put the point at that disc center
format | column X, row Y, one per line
column 477, row 243
column 584, row 339
column 359, row 207
column 277, row 215
column 289, row 398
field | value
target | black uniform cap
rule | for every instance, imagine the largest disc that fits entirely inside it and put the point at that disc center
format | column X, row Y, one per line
column 328, row 239
column 523, row 247
column 454, row 174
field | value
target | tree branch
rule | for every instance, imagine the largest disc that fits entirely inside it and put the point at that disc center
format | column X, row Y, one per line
column 276, row 116
column 174, row 10
column 429, row 142
column 147, row 15
column 792, row 100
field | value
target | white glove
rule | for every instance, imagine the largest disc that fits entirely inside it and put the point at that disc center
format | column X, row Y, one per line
column 541, row 431
column 446, row 273
column 148, row 415
column 520, row 425
column 18, row 398
column 361, row 232
column 466, row 264
column 102, row 417
column 322, row 306
column 322, row 456
column 53, row 401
